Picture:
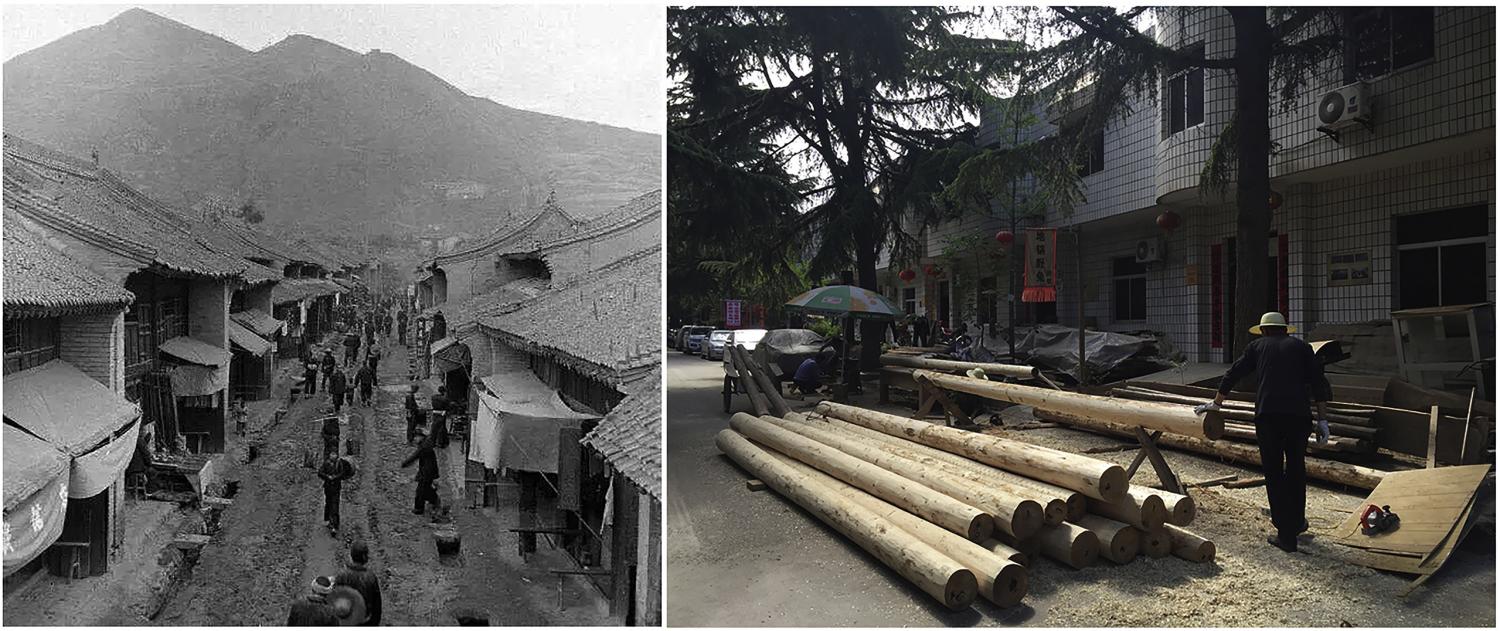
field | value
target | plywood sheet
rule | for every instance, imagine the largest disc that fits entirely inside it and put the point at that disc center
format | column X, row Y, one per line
column 1430, row 502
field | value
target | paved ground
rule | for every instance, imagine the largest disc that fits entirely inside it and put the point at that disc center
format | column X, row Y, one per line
column 737, row 558
column 273, row 543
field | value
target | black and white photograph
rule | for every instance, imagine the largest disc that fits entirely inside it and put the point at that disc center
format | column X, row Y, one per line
column 323, row 315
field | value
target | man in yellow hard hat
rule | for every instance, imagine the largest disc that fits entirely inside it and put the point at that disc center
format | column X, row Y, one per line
column 1290, row 376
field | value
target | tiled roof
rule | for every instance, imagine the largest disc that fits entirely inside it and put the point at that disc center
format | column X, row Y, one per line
column 43, row 282
column 522, row 237
column 606, row 323
column 88, row 202
column 294, row 289
column 641, row 209
column 629, row 437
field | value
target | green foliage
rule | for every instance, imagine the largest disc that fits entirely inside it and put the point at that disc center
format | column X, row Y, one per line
column 826, row 327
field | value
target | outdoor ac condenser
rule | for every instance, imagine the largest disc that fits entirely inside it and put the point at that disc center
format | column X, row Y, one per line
column 1344, row 107
column 1150, row 250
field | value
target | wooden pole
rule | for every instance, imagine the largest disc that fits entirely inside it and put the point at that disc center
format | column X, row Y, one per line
column 1155, row 544
column 1094, row 478
column 1432, row 439
column 1172, row 419
column 1117, row 542
column 1246, row 433
column 932, row 571
column 945, row 511
column 1143, row 511
column 1001, row 580
column 773, row 396
column 1048, row 495
column 1017, row 516
column 1073, row 545
column 1181, row 509
column 1235, row 410
column 1326, row 470
column 1028, row 549
column 1005, row 551
column 1001, row 370
column 758, row 401
column 1189, row 546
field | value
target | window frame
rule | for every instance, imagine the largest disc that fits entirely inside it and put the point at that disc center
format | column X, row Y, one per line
column 31, row 342
column 1185, row 74
column 1086, row 159
column 1388, row 16
column 1115, row 279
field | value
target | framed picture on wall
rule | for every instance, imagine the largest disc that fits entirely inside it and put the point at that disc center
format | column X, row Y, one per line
column 1349, row 268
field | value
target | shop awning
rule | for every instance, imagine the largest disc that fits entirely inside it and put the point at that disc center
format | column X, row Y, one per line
column 36, row 497
column 195, row 351
column 454, row 356
column 246, row 340
column 194, row 381
column 63, row 406
column 259, row 322
column 517, row 422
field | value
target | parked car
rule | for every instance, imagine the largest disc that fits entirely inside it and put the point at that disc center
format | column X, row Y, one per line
column 713, row 348
column 679, row 339
column 743, row 337
column 672, row 338
column 694, row 338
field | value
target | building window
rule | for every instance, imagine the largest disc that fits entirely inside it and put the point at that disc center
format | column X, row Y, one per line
column 1387, row 39
column 1185, row 96
column 988, row 309
column 1130, row 289
column 29, row 343
column 909, row 300
column 173, row 318
column 139, row 326
column 1091, row 155
column 1440, row 258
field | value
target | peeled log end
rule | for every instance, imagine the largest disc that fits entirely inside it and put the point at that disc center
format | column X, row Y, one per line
column 960, row 589
column 1078, row 506
column 980, row 527
column 1183, row 512
column 1026, row 521
column 1156, row 544
column 1113, row 484
column 1153, row 513
column 1055, row 512
column 1010, row 585
column 1213, row 425
column 1123, row 547
column 1084, row 551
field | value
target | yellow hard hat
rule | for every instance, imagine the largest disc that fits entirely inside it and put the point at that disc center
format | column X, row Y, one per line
column 1272, row 318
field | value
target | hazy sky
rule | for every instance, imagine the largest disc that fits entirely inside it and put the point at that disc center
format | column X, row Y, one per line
column 597, row 63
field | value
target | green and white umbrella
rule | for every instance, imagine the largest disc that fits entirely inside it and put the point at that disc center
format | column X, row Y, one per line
column 847, row 300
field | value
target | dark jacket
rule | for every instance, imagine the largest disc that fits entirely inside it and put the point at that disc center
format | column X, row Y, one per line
column 331, row 426
column 329, row 363
column 411, row 405
column 307, row 612
column 334, row 474
column 338, row 384
column 439, row 403
column 426, row 459
column 365, row 378
column 1290, row 376
column 368, row 585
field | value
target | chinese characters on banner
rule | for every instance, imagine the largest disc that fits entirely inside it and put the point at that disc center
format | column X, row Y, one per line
column 732, row 313
column 1041, row 266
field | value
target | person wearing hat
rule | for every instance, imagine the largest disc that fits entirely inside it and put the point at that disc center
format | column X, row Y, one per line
column 333, row 473
column 310, row 379
column 1289, row 376
column 338, row 388
column 329, row 363
column 313, row 609
column 357, row 575
column 427, row 472
column 413, row 413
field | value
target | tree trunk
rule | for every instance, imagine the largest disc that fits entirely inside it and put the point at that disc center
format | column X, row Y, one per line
column 871, row 332
column 1253, row 187
column 1117, row 542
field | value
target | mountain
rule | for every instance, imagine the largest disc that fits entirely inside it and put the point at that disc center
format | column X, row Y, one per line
column 313, row 133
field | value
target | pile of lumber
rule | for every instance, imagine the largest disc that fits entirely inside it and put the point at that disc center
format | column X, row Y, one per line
column 1352, row 428
column 961, row 515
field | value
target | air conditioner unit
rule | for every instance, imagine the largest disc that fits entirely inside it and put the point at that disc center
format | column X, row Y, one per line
column 1150, row 250
column 1344, row 107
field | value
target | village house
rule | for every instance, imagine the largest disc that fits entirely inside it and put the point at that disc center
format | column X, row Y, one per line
column 1370, row 215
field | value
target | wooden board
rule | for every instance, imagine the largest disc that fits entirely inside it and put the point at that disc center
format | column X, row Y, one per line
column 1429, row 501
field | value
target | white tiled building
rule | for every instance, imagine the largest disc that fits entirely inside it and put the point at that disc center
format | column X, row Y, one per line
column 1414, row 192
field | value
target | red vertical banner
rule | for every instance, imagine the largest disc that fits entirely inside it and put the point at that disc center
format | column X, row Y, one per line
column 1216, row 296
column 1041, row 266
column 732, row 313
column 1283, row 290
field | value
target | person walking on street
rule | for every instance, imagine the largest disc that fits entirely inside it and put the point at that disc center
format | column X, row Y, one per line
column 1289, row 376
column 385, row 321
column 351, row 346
column 440, row 405
column 330, row 435
column 439, row 327
column 338, row 385
column 365, row 380
column 333, row 473
column 427, row 473
column 401, row 327
column 329, row 363
column 413, row 413
column 313, row 610
column 358, row 576
column 310, row 379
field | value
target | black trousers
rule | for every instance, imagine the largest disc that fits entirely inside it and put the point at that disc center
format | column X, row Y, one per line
column 425, row 494
column 331, row 504
column 338, row 402
column 1283, row 449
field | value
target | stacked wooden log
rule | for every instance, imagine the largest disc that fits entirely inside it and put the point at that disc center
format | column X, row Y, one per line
column 960, row 514
column 1351, row 428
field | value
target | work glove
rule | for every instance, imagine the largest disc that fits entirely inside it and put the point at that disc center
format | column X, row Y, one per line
column 1322, row 431
column 1206, row 408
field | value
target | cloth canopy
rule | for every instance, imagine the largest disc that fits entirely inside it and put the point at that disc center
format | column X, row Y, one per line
column 517, row 423
column 63, row 406
column 246, row 340
column 95, row 471
column 195, row 351
column 30, row 465
column 453, row 356
column 259, row 322
column 193, row 381
column 35, row 522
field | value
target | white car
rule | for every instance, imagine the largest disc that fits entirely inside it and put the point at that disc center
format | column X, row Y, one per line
column 713, row 347
column 742, row 337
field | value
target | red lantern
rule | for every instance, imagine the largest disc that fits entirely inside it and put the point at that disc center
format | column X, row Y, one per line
column 1005, row 237
column 1168, row 221
column 907, row 275
column 933, row 270
column 1275, row 201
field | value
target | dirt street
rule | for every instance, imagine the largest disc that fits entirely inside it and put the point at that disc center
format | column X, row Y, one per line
column 273, row 543
column 741, row 558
